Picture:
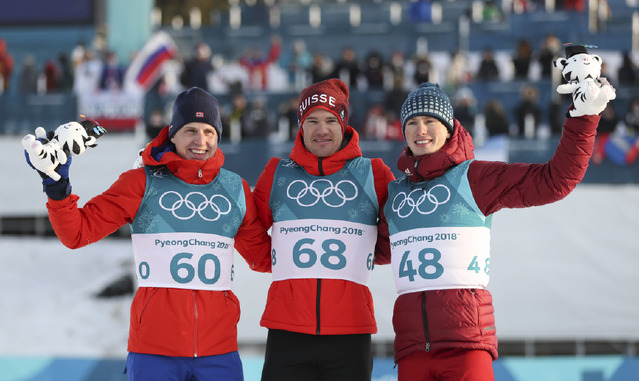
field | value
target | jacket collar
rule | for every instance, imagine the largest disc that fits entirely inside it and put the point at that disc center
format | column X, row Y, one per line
column 162, row 152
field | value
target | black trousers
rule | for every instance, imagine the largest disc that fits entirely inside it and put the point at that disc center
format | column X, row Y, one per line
column 298, row 356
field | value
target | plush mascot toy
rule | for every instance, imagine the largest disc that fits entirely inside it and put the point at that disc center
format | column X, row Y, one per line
column 582, row 73
column 47, row 151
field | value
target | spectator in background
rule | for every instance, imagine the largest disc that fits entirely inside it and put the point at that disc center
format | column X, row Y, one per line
column 375, row 123
column 6, row 66
column 632, row 115
column 322, row 68
column 348, row 68
column 522, row 59
column 112, row 73
column 257, row 64
column 395, row 98
column 458, row 73
column 155, row 123
column 423, row 69
column 198, row 69
column 607, row 126
column 496, row 118
column 556, row 113
column 491, row 12
column 420, row 11
column 627, row 72
column 51, row 75
column 397, row 65
column 488, row 69
column 549, row 51
column 77, row 54
column 258, row 122
column 528, row 112
column 287, row 111
column 235, row 118
column 297, row 64
column 574, row 5
column 66, row 73
column 86, row 79
column 28, row 76
column 465, row 106
column 374, row 70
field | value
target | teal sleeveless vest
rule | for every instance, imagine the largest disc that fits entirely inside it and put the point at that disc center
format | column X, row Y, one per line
column 183, row 234
column 172, row 205
column 324, row 226
column 439, row 237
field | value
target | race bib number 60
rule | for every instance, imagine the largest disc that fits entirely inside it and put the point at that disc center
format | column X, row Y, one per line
column 184, row 263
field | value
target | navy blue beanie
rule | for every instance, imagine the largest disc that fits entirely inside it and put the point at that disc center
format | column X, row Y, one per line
column 195, row 105
column 428, row 100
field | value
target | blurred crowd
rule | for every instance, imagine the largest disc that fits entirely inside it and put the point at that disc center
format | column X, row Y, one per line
column 247, row 80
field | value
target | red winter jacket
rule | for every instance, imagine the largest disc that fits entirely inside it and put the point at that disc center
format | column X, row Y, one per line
column 463, row 318
column 322, row 306
column 166, row 321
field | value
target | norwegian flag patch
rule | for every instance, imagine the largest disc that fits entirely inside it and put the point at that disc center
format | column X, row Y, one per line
column 199, row 114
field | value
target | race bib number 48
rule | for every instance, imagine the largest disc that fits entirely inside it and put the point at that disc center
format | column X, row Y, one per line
column 441, row 258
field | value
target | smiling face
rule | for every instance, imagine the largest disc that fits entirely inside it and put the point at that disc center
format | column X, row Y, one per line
column 425, row 135
column 322, row 133
column 195, row 141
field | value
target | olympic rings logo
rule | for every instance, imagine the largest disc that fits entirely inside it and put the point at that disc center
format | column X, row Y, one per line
column 195, row 202
column 408, row 204
column 322, row 189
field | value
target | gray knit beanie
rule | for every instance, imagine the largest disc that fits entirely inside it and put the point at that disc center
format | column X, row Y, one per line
column 428, row 99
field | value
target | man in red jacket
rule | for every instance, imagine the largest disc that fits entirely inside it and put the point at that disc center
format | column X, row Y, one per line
column 322, row 205
column 439, row 218
column 187, row 214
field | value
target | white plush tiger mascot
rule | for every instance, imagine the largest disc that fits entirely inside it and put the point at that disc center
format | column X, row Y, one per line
column 47, row 150
column 582, row 73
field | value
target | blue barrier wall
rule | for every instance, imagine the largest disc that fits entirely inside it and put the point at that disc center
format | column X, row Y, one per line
column 586, row 368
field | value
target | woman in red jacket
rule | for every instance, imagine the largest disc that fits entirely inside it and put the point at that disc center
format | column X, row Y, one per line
column 323, row 205
column 439, row 219
column 187, row 214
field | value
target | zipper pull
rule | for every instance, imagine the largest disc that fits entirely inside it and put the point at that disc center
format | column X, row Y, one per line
column 428, row 347
column 199, row 173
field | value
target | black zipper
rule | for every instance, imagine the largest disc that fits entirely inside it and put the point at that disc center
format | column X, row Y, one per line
column 319, row 281
column 425, row 322
column 317, row 306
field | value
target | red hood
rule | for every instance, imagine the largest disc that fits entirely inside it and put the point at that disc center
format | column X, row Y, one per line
column 162, row 152
column 330, row 164
column 457, row 149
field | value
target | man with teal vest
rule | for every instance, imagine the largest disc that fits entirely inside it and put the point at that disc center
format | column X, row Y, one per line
column 187, row 215
column 322, row 205
column 439, row 219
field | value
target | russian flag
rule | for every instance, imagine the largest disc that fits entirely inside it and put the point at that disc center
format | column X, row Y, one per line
column 146, row 67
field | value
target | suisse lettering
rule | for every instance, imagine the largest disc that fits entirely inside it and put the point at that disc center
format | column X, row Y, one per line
column 317, row 98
